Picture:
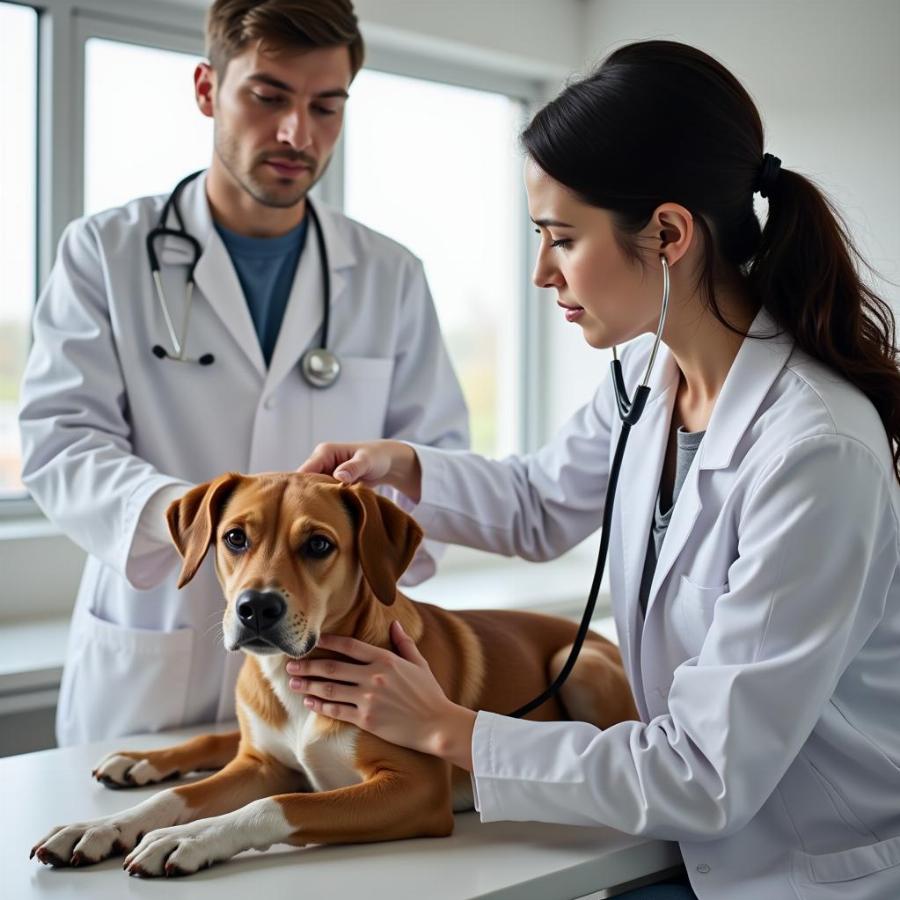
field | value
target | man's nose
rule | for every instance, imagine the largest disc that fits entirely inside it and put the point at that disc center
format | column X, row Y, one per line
column 294, row 129
column 260, row 610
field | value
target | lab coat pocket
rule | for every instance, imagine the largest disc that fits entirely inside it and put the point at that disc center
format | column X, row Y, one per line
column 878, row 864
column 129, row 680
column 692, row 611
column 356, row 407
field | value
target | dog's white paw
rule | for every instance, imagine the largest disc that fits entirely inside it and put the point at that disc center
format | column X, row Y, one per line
column 185, row 849
column 118, row 770
column 181, row 849
column 86, row 843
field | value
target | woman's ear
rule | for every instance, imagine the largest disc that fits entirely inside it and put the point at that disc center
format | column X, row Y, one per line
column 194, row 518
column 672, row 231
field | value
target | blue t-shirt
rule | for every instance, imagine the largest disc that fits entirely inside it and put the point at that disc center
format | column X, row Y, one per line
column 265, row 268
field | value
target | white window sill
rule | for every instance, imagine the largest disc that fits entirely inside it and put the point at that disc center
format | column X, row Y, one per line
column 32, row 651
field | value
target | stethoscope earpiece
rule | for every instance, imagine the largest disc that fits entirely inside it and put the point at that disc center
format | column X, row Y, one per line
column 320, row 367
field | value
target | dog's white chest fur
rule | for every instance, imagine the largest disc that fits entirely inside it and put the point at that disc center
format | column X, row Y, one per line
column 327, row 760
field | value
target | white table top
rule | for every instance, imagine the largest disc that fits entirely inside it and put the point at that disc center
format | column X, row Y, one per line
column 502, row 861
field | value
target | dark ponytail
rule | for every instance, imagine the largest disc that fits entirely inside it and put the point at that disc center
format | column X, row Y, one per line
column 660, row 122
column 806, row 273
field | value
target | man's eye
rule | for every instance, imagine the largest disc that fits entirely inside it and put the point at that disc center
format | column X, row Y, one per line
column 235, row 539
column 318, row 546
column 267, row 98
column 324, row 110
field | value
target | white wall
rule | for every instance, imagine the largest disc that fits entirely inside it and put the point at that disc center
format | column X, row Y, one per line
column 825, row 75
column 541, row 37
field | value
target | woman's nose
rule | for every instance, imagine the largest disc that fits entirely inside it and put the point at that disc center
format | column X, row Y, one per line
column 545, row 275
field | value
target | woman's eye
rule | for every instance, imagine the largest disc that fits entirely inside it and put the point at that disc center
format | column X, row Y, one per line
column 235, row 539
column 318, row 546
column 564, row 243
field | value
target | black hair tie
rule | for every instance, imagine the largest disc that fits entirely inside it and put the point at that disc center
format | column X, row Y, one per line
column 768, row 174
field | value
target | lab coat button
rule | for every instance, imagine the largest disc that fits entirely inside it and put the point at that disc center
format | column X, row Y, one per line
column 269, row 403
column 703, row 868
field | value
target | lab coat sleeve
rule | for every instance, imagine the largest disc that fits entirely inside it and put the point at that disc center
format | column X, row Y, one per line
column 77, row 461
column 426, row 403
column 535, row 506
column 818, row 548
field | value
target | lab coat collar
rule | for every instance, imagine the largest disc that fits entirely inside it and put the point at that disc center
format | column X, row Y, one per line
column 758, row 363
column 217, row 279
column 305, row 308
column 754, row 370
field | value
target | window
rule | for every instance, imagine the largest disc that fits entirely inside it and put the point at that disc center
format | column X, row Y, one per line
column 18, row 226
column 142, row 129
column 437, row 168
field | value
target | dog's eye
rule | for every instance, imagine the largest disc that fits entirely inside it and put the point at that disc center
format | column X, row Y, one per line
column 235, row 539
column 318, row 546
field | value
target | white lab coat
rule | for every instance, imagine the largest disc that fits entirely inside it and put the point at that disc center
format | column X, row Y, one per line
column 107, row 427
column 767, row 672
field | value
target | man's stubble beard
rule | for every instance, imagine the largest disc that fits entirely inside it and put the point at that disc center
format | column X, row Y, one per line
column 227, row 151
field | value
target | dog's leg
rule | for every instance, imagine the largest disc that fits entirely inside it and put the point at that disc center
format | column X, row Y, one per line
column 246, row 778
column 597, row 689
column 405, row 795
column 138, row 768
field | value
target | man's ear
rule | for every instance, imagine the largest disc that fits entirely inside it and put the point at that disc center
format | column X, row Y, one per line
column 194, row 518
column 386, row 539
column 205, row 88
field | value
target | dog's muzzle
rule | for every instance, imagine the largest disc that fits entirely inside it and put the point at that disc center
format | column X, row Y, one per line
column 262, row 618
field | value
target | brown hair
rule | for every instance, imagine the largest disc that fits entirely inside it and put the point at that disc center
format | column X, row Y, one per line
column 661, row 121
column 231, row 25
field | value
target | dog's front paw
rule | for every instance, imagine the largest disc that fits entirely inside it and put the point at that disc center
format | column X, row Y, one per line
column 129, row 769
column 85, row 843
column 180, row 850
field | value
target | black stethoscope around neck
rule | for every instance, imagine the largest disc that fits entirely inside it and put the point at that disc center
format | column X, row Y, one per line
column 319, row 367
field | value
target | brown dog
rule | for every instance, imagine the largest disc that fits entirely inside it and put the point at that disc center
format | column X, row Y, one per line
column 299, row 555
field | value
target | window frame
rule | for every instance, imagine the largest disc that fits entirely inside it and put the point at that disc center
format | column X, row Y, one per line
column 65, row 26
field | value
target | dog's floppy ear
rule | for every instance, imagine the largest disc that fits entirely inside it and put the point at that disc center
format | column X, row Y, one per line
column 386, row 539
column 193, row 520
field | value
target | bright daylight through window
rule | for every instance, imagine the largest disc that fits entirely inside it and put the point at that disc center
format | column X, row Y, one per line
column 437, row 168
column 18, row 225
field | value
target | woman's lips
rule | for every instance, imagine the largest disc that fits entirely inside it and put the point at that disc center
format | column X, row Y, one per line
column 573, row 313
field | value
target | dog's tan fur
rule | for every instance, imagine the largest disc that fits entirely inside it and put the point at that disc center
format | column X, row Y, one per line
column 369, row 790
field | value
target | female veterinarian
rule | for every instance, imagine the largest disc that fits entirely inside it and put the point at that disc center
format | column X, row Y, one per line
column 762, row 636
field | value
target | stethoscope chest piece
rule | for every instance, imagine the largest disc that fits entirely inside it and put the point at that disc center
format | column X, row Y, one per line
column 320, row 367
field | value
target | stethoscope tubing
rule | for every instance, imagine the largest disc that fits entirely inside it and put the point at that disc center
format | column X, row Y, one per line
column 179, row 343
column 629, row 412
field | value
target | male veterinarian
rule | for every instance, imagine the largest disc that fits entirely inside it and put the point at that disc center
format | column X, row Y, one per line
column 230, row 325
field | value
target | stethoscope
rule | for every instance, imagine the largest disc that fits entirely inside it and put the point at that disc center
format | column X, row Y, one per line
column 629, row 412
column 319, row 366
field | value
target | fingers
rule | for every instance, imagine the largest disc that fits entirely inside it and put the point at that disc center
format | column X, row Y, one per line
column 325, row 457
column 340, row 711
column 356, row 468
column 348, row 646
column 328, row 691
column 406, row 646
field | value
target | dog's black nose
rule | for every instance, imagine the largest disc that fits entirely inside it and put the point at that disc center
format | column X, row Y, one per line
column 260, row 610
